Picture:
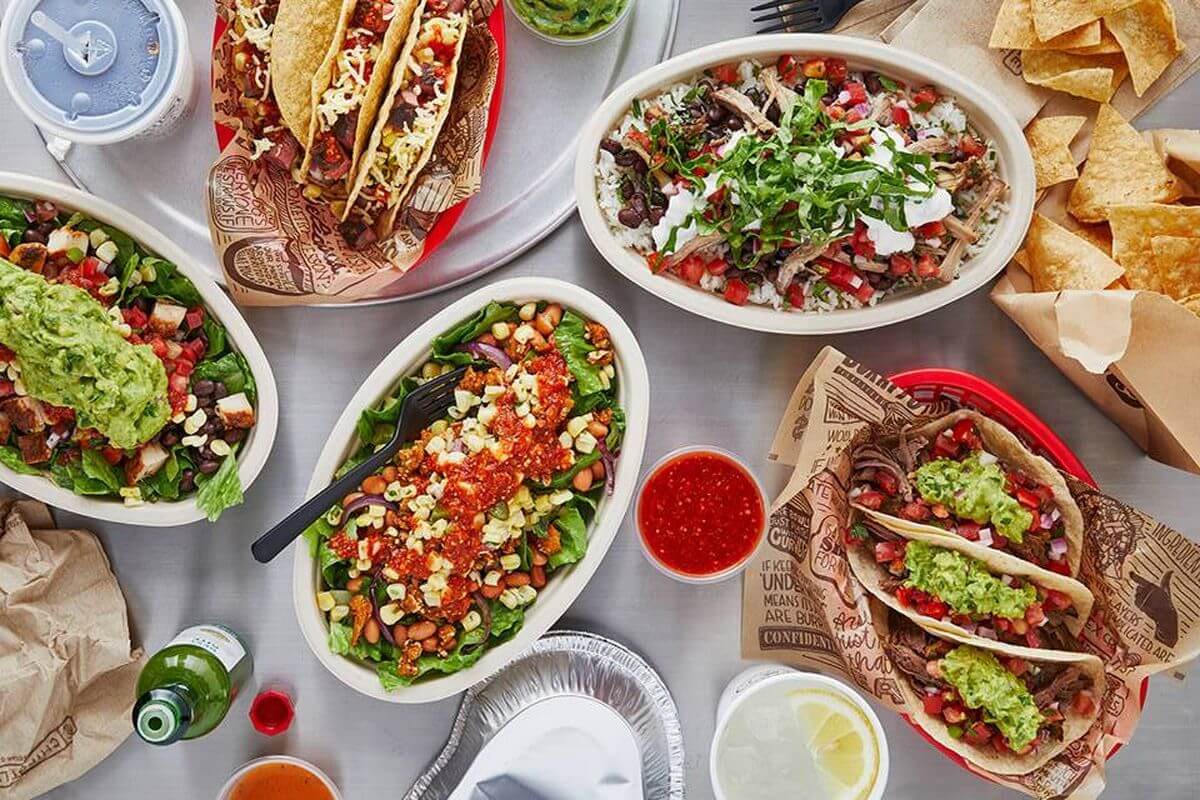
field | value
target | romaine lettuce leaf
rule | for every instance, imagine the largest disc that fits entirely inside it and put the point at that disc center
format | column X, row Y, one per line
column 221, row 491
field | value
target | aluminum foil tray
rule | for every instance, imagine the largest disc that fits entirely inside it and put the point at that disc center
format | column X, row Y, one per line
column 567, row 663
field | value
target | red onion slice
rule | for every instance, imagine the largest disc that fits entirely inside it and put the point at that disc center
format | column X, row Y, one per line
column 364, row 501
column 1058, row 548
column 610, row 466
column 487, row 352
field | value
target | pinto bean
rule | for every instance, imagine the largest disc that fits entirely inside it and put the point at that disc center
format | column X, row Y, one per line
column 539, row 559
column 371, row 631
column 582, row 480
column 491, row 592
column 354, row 584
column 429, row 644
column 597, row 429
column 517, row 579
column 419, row 631
column 374, row 485
column 400, row 632
column 537, row 576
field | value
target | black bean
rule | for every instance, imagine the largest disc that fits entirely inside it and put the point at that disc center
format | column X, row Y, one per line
column 638, row 203
column 209, row 428
column 111, row 270
column 187, row 480
column 170, row 438
column 640, row 167
column 34, row 236
column 874, row 85
column 627, row 158
column 234, row 435
column 715, row 114
column 611, row 146
column 630, row 217
column 208, row 467
column 656, row 214
column 203, row 388
column 734, row 123
column 219, row 390
column 773, row 114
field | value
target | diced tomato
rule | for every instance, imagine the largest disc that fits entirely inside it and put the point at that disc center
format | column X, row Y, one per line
column 655, row 262
column 1028, row 499
column 1017, row 666
column 726, row 73
column 932, row 230
column 954, row 714
column 1035, row 615
column 7, row 389
column 814, row 68
column 845, row 278
column 888, row 551
column 718, row 266
column 927, row 266
column 91, row 268
column 871, row 500
column 1083, row 703
column 906, row 596
column 178, row 383
column 111, row 454
column 945, row 446
column 857, row 92
column 788, row 68
column 963, row 430
column 795, row 295
column 999, row 542
column 978, row 733
column 835, row 70
column 1059, row 565
column 194, row 318
column 736, row 291
column 886, row 481
column 915, row 512
column 5, row 248
column 933, row 608
column 1056, row 600
column 933, row 704
column 853, row 116
column 1002, row 625
column 900, row 116
column 860, row 243
column 158, row 346
column 924, row 98
column 971, row 147
column 692, row 269
column 900, row 264
column 134, row 317
column 184, row 367
column 835, row 112
column 968, row 530
column 1033, row 638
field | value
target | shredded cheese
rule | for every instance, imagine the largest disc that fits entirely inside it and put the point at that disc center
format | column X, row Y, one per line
column 258, row 30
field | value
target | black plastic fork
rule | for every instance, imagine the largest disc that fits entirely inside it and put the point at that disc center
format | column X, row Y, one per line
column 424, row 406
column 803, row 16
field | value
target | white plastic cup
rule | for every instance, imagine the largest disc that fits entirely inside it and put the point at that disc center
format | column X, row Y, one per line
column 757, row 678
column 684, row 577
column 231, row 784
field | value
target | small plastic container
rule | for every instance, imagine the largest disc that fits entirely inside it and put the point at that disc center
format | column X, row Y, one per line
column 687, row 577
column 571, row 41
column 234, row 779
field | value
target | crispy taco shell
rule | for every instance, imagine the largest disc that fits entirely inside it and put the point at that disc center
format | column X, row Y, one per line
column 1075, row 725
column 299, row 44
column 1000, row 442
column 390, row 50
column 401, row 78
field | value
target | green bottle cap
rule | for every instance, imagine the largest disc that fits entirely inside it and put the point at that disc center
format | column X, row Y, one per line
column 162, row 716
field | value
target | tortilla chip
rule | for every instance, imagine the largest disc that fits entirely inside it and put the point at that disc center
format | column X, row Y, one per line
column 1014, row 31
column 1181, row 149
column 1107, row 44
column 1121, row 169
column 1053, row 17
column 1058, row 259
column 1147, row 35
column 1177, row 262
column 1093, row 77
column 1134, row 228
column 1192, row 304
column 1049, row 140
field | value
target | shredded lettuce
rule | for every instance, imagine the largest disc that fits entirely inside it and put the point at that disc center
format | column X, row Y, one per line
column 221, row 491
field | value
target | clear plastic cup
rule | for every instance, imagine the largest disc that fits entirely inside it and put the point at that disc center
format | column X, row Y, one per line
column 235, row 778
column 687, row 577
column 588, row 38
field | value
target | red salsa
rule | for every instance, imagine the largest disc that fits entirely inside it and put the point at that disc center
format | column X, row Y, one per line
column 700, row 513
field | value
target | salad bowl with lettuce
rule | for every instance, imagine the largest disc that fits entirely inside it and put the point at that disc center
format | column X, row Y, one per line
column 444, row 565
column 130, row 387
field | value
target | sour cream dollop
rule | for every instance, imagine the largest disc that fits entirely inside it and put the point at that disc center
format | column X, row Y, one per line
column 679, row 206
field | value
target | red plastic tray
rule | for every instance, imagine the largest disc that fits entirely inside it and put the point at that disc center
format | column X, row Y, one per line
column 962, row 389
column 449, row 218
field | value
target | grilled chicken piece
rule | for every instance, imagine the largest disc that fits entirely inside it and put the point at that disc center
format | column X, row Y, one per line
column 744, row 107
column 149, row 459
column 34, row 448
column 25, row 414
column 30, row 256
column 236, row 411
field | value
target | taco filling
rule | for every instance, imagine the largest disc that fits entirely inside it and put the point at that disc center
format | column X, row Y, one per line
column 254, row 28
column 338, row 108
column 991, row 701
column 422, row 92
column 951, row 482
column 953, row 587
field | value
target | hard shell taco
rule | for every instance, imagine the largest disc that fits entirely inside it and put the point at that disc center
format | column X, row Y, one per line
column 963, row 589
column 410, row 120
column 1002, row 711
column 967, row 476
column 347, row 84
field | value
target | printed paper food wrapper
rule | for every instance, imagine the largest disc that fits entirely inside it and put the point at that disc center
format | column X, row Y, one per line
column 277, row 248
column 802, row 605
column 67, row 676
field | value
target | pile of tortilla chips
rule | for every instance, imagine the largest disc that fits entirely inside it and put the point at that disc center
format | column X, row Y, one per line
column 1126, row 224
column 1088, row 47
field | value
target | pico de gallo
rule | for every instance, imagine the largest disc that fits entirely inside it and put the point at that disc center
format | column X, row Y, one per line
column 946, row 585
column 991, row 700
column 436, row 557
column 804, row 184
column 953, row 483
column 115, row 380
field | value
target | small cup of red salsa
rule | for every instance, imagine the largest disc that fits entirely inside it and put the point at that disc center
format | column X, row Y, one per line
column 700, row 514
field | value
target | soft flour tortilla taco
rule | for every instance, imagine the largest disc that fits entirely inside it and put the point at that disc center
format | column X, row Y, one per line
column 410, row 120
column 968, row 476
column 964, row 589
column 1006, row 713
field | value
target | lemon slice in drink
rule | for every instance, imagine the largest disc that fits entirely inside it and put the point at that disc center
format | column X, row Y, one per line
column 840, row 740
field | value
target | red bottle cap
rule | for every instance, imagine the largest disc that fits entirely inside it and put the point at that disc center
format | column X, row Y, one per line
column 272, row 712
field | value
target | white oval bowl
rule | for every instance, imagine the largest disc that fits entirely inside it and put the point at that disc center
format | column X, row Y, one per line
column 983, row 109
column 633, row 393
column 262, row 436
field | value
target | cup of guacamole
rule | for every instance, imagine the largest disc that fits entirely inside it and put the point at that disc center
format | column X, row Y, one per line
column 571, row 22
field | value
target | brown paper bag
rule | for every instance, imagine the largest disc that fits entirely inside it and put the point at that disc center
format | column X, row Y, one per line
column 802, row 605
column 67, row 676
column 870, row 17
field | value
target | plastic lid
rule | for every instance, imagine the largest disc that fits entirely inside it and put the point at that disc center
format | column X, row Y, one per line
column 162, row 716
column 90, row 68
column 272, row 712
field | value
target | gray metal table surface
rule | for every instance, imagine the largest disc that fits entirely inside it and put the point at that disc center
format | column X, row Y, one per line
column 711, row 384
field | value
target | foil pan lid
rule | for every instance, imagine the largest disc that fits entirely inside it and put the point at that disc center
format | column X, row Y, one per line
column 567, row 663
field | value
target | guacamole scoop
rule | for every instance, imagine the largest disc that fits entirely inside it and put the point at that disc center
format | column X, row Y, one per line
column 71, row 355
column 974, row 490
column 568, row 17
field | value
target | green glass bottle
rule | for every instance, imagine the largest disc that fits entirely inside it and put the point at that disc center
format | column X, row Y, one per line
column 185, row 689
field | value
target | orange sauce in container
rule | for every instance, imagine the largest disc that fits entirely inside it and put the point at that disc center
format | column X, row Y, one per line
column 280, row 780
